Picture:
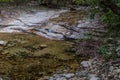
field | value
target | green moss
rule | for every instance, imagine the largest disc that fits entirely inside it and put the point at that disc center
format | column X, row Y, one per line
column 23, row 57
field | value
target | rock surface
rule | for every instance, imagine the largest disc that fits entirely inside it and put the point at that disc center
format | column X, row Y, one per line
column 3, row 43
column 51, row 23
column 86, row 63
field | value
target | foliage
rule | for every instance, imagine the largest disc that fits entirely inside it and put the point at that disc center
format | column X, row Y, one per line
column 108, row 52
column 6, row 0
column 111, row 18
column 103, row 51
column 81, row 1
column 107, row 15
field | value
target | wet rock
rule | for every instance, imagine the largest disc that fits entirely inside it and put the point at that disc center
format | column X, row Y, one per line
column 55, row 36
column 51, row 33
column 3, row 43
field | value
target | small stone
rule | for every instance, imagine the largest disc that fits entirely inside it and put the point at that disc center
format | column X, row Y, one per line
column 57, row 75
column 43, row 46
column 0, row 20
column 44, row 78
column 119, row 76
column 118, row 49
column 111, row 68
column 52, row 78
column 86, row 63
column 69, row 75
column 92, row 77
column 61, row 78
column 3, row 43
column 82, row 73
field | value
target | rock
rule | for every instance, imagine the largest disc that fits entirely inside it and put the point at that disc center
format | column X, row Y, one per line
column 52, row 78
column 57, row 76
column 55, row 36
column 111, row 68
column 44, row 78
column 92, row 77
column 43, row 46
column 77, row 78
column 0, row 20
column 61, row 78
column 51, row 33
column 4, row 78
column 118, row 50
column 69, row 75
column 86, row 63
column 82, row 73
column 3, row 43
column 1, row 78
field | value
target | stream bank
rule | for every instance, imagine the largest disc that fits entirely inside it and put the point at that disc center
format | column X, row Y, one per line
column 36, row 43
column 26, row 57
column 32, row 43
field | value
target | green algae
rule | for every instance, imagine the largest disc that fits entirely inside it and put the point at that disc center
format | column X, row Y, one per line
column 22, row 58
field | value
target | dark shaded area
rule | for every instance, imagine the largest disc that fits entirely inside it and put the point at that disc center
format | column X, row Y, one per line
column 88, row 47
column 109, row 4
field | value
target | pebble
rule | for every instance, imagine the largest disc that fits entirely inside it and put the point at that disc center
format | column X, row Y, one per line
column 111, row 68
column 61, row 78
column 92, row 77
column 82, row 73
column 86, row 63
column 3, row 43
column 52, row 78
column 43, row 46
column 44, row 78
column 70, row 75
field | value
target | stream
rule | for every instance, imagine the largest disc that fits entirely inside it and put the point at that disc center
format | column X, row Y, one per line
column 54, row 24
column 34, row 41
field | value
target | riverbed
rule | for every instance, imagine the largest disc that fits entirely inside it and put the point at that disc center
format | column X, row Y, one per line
column 33, row 45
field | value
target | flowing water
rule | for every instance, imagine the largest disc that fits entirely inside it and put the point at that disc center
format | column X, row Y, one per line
column 32, row 43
